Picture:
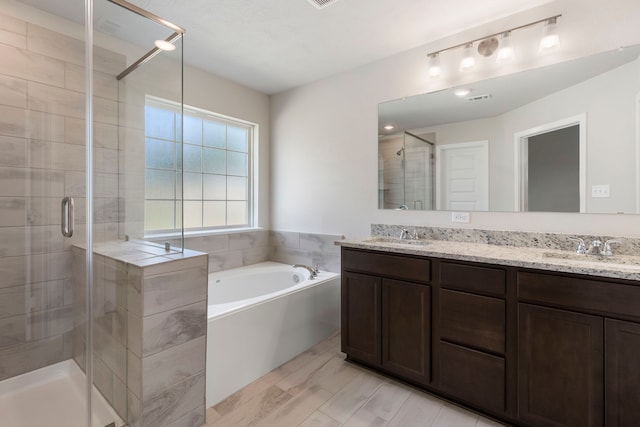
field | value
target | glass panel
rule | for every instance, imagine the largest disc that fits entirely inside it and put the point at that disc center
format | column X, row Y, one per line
column 159, row 184
column 214, row 161
column 237, row 139
column 214, row 134
column 215, row 187
column 159, row 154
column 159, row 214
column 192, row 130
column 237, row 213
column 192, row 186
column 214, row 214
column 192, row 214
column 192, row 158
column 236, row 188
column 159, row 123
column 237, row 163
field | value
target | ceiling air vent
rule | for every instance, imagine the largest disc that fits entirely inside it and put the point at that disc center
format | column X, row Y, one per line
column 479, row 97
column 319, row 4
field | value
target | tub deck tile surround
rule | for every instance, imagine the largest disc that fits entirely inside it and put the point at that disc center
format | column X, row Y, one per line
column 319, row 388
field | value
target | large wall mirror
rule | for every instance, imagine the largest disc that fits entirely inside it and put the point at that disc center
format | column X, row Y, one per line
column 560, row 138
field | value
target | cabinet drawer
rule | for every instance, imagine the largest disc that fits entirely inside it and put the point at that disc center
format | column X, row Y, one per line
column 473, row 376
column 473, row 320
column 584, row 294
column 394, row 266
column 472, row 278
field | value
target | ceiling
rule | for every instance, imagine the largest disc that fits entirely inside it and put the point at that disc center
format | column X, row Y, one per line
column 275, row 45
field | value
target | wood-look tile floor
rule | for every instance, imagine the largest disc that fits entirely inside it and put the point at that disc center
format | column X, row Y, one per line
column 319, row 388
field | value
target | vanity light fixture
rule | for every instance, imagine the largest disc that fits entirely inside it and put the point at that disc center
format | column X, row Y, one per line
column 505, row 52
column 550, row 38
column 490, row 44
column 434, row 65
column 389, row 127
column 468, row 59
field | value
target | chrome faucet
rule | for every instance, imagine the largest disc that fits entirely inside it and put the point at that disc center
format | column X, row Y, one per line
column 602, row 249
column 313, row 271
column 404, row 234
column 582, row 247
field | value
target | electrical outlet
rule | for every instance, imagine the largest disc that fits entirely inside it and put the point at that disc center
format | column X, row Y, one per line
column 460, row 217
column 600, row 190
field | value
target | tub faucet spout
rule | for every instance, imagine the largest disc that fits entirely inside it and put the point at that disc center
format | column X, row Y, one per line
column 313, row 271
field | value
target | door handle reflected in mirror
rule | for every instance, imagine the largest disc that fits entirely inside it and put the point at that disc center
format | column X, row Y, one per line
column 67, row 217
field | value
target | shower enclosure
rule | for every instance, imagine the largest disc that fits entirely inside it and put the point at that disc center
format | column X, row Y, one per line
column 77, row 173
column 406, row 170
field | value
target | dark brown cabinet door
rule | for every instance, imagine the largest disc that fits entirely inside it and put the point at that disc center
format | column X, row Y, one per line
column 361, row 317
column 560, row 367
column 406, row 329
column 622, row 358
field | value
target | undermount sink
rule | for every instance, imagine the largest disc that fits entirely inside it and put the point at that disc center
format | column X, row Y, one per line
column 615, row 259
column 392, row 240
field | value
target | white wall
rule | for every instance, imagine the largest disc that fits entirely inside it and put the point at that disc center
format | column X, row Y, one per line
column 324, row 135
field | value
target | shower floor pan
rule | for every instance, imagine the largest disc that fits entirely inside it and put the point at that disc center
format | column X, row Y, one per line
column 54, row 397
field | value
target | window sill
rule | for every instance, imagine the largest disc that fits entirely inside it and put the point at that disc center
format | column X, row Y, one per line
column 202, row 233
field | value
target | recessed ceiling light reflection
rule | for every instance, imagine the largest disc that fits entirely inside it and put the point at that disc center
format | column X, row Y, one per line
column 164, row 45
column 461, row 92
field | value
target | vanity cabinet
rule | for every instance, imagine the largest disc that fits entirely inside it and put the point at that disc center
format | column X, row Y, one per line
column 529, row 346
column 386, row 313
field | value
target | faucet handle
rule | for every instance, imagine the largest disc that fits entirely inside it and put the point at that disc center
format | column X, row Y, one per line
column 582, row 247
column 606, row 250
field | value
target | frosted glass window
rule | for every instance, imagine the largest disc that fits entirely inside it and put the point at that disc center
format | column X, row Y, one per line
column 236, row 188
column 214, row 187
column 159, row 215
column 236, row 163
column 214, row 161
column 202, row 183
column 159, row 154
column 159, row 184
column 214, row 214
column 237, row 213
column 192, row 214
column 215, row 134
column 159, row 123
column 192, row 158
column 237, row 139
column 192, row 186
column 192, row 130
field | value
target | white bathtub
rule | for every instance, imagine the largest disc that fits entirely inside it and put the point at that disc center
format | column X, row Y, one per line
column 259, row 318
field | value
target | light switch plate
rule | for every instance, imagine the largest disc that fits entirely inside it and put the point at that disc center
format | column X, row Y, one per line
column 600, row 190
column 460, row 217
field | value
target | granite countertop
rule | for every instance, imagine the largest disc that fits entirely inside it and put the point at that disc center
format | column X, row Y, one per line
column 617, row 267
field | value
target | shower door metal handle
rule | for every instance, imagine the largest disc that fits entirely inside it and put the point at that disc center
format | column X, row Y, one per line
column 67, row 216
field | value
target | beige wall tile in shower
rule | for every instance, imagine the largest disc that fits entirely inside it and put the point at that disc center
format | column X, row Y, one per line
column 33, row 355
column 45, row 127
column 104, row 85
column 13, row 31
column 13, row 91
column 55, row 45
column 105, row 111
column 27, row 65
column 108, row 61
column 172, row 290
column 19, row 300
column 195, row 418
column 13, row 151
column 105, row 135
column 44, row 182
column 67, row 157
column 134, row 374
column 50, row 99
column 174, row 403
column 14, row 182
column 14, row 211
column 13, row 121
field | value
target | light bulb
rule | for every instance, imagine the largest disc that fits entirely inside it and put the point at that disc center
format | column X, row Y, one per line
column 468, row 60
column 550, row 38
column 506, row 52
column 434, row 65
column 164, row 45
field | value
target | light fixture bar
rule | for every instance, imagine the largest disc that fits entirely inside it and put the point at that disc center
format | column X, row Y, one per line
column 530, row 24
column 145, row 13
column 148, row 56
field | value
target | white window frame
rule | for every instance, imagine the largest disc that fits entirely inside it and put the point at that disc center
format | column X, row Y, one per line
column 252, row 169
